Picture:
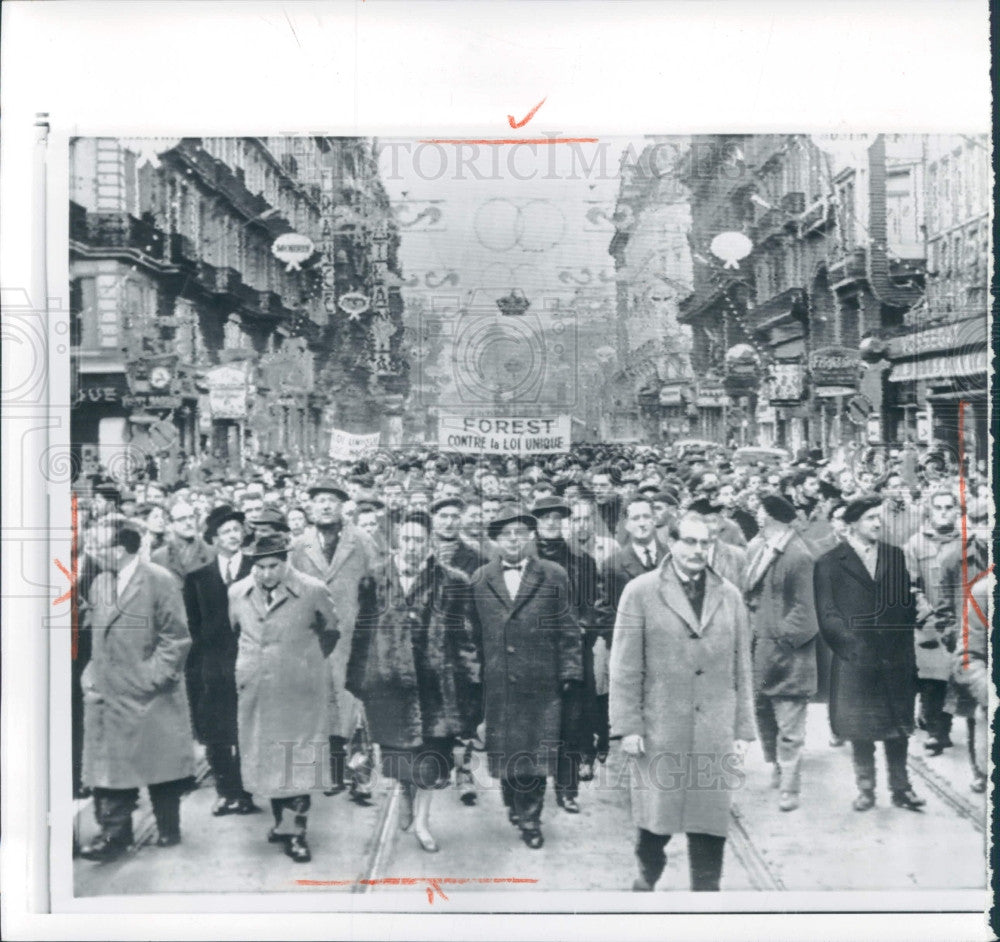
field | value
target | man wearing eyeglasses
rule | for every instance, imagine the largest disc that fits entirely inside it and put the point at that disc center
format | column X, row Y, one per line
column 183, row 551
column 682, row 703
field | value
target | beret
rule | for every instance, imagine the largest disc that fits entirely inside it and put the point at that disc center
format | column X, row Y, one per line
column 703, row 506
column 778, row 508
column 858, row 507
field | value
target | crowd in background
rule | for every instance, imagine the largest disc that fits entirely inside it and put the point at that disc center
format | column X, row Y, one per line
column 603, row 515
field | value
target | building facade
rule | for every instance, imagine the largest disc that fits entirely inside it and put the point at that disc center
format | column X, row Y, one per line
column 654, row 391
column 939, row 359
column 192, row 343
column 808, row 325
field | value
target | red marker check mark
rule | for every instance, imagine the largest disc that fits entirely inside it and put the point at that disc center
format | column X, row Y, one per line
column 528, row 117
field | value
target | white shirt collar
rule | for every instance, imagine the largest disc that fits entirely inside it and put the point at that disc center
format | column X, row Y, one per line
column 230, row 565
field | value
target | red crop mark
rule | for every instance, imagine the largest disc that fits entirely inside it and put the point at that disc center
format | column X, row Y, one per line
column 967, row 600
column 495, row 141
column 520, row 124
column 432, row 885
column 71, row 574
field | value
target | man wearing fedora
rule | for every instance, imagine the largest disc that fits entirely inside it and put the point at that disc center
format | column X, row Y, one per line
column 335, row 551
column 783, row 624
column 212, row 662
column 530, row 651
column 577, row 749
column 867, row 615
column 287, row 630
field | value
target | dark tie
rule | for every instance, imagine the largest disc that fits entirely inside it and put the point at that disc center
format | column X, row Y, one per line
column 650, row 558
column 510, row 566
column 229, row 572
column 329, row 545
column 270, row 597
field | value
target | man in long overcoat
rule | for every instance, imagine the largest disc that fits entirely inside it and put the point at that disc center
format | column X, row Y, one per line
column 780, row 598
column 137, row 728
column 212, row 681
column 530, row 651
column 866, row 613
column 580, row 717
column 287, row 629
column 335, row 551
column 682, row 701
column 926, row 550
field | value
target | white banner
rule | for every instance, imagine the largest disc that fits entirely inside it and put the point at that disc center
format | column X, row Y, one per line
column 501, row 435
column 346, row 446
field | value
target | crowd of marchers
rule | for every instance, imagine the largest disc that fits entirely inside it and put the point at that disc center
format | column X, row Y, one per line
column 316, row 625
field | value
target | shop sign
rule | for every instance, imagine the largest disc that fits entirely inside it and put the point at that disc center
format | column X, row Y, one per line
column 829, row 392
column 834, row 366
column 671, row 395
column 942, row 368
column 787, row 383
column 151, row 401
column 960, row 334
column 354, row 303
column 292, row 249
column 227, row 392
column 103, row 388
column 712, row 397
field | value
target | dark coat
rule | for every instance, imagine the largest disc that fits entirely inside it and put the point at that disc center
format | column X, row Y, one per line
column 467, row 558
column 412, row 661
column 782, row 617
column 869, row 625
column 181, row 558
column 211, row 672
column 683, row 684
column 348, row 576
column 528, row 648
column 283, row 682
column 137, row 728
column 625, row 566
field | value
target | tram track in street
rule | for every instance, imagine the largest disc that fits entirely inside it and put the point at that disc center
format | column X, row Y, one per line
column 762, row 875
column 944, row 790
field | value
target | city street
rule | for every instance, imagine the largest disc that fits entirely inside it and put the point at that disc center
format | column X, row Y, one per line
column 824, row 845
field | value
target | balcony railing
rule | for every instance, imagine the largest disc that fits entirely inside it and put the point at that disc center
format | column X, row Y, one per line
column 116, row 230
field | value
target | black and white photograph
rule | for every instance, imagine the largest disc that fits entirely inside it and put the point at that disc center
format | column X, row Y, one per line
column 499, row 518
column 609, row 520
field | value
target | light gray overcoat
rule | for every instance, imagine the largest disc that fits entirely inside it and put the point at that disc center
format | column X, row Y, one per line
column 684, row 685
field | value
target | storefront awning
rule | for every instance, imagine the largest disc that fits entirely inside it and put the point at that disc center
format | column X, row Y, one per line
column 940, row 367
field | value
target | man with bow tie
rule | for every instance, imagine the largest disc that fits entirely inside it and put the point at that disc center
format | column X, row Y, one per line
column 779, row 596
column 530, row 650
